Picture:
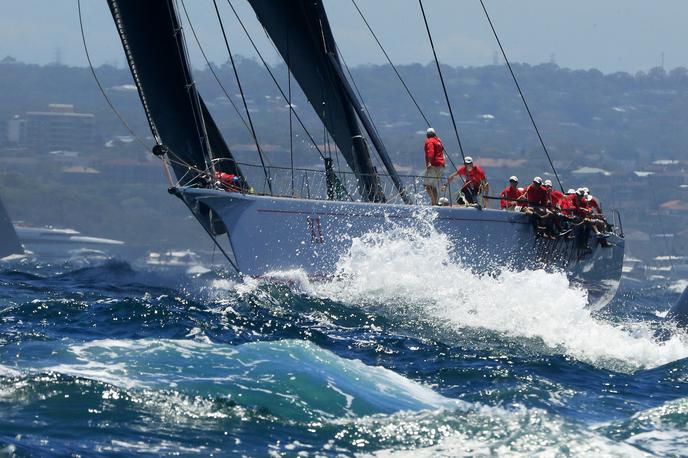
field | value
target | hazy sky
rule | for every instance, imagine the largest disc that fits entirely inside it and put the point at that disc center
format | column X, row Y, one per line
column 611, row 35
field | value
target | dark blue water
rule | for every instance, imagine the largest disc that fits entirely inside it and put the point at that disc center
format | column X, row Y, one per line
column 115, row 360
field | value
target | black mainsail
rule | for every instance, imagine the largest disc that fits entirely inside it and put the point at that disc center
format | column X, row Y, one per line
column 303, row 25
column 156, row 52
column 9, row 242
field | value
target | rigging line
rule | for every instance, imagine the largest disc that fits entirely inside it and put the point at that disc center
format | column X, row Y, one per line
column 444, row 87
column 192, row 92
column 100, row 86
column 210, row 67
column 389, row 60
column 116, row 112
column 212, row 237
column 291, row 120
column 520, row 92
column 396, row 71
column 172, row 158
column 360, row 97
column 272, row 75
column 243, row 98
column 358, row 92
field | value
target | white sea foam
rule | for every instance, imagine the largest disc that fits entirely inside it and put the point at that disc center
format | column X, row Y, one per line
column 8, row 372
column 679, row 286
column 478, row 431
column 410, row 271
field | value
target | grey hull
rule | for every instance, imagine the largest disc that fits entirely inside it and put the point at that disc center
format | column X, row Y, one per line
column 274, row 234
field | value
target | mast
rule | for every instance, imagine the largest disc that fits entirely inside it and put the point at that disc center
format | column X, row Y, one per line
column 154, row 45
column 303, row 25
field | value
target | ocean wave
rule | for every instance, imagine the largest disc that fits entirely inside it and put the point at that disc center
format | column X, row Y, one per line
column 291, row 379
column 411, row 275
column 285, row 396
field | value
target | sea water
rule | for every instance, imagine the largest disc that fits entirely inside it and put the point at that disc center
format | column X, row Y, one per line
column 404, row 353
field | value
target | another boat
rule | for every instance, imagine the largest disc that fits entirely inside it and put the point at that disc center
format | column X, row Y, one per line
column 10, row 246
column 185, row 261
column 48, row 242
column 288, row 218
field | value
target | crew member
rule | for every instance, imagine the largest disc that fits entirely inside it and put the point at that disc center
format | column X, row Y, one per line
column 510, row 195
column 593, row 203
column 474, row 180
column 434, row 164
column 534, row 196
column 579, row 205
column 566, row 202
column 553, row 195
column 228, row 181
column 581, row 210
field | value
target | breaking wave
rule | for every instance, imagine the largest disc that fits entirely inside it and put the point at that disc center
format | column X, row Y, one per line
column 410, row 274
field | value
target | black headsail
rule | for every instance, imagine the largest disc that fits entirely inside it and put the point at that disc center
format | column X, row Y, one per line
column 154, row 45
column 9, row 242
column 301, row 32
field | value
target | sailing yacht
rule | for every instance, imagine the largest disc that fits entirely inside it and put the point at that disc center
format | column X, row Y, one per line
column 288, row 218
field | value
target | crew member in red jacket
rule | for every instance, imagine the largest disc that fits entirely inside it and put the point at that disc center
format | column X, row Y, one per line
column 553, row 195
column 593, row 203
column 228, row 181
column 510, row 195
column 534, row 196
column 474, row 179
column 566, row 202
column 434, row 164
column 578, row 204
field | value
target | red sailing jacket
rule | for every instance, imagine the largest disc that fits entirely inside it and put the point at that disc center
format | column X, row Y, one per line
column 227, row 180
column 535, row 196
column 593, row 204
column 554, row 198
column 575, row 207
column 475, row 176
column 434, row 152
column 510, row 193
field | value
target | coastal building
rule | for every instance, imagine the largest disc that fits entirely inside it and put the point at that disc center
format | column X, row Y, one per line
column 57, row 128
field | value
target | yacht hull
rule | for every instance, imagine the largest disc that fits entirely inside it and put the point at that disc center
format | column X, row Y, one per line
column 270, row 234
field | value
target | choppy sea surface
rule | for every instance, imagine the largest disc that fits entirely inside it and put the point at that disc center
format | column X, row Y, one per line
column 404, row 353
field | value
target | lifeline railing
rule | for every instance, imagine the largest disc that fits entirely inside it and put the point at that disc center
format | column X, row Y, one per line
column 313, row 184
column 305, row 183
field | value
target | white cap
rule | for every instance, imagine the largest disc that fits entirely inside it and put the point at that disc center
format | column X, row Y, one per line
column 537, row 180
column 468, row 160
column 430, row 130
column 587, row 191
column 548, row 182
column 443, row 201
column 580, row 191
column 571, row 191
column 513, row 178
